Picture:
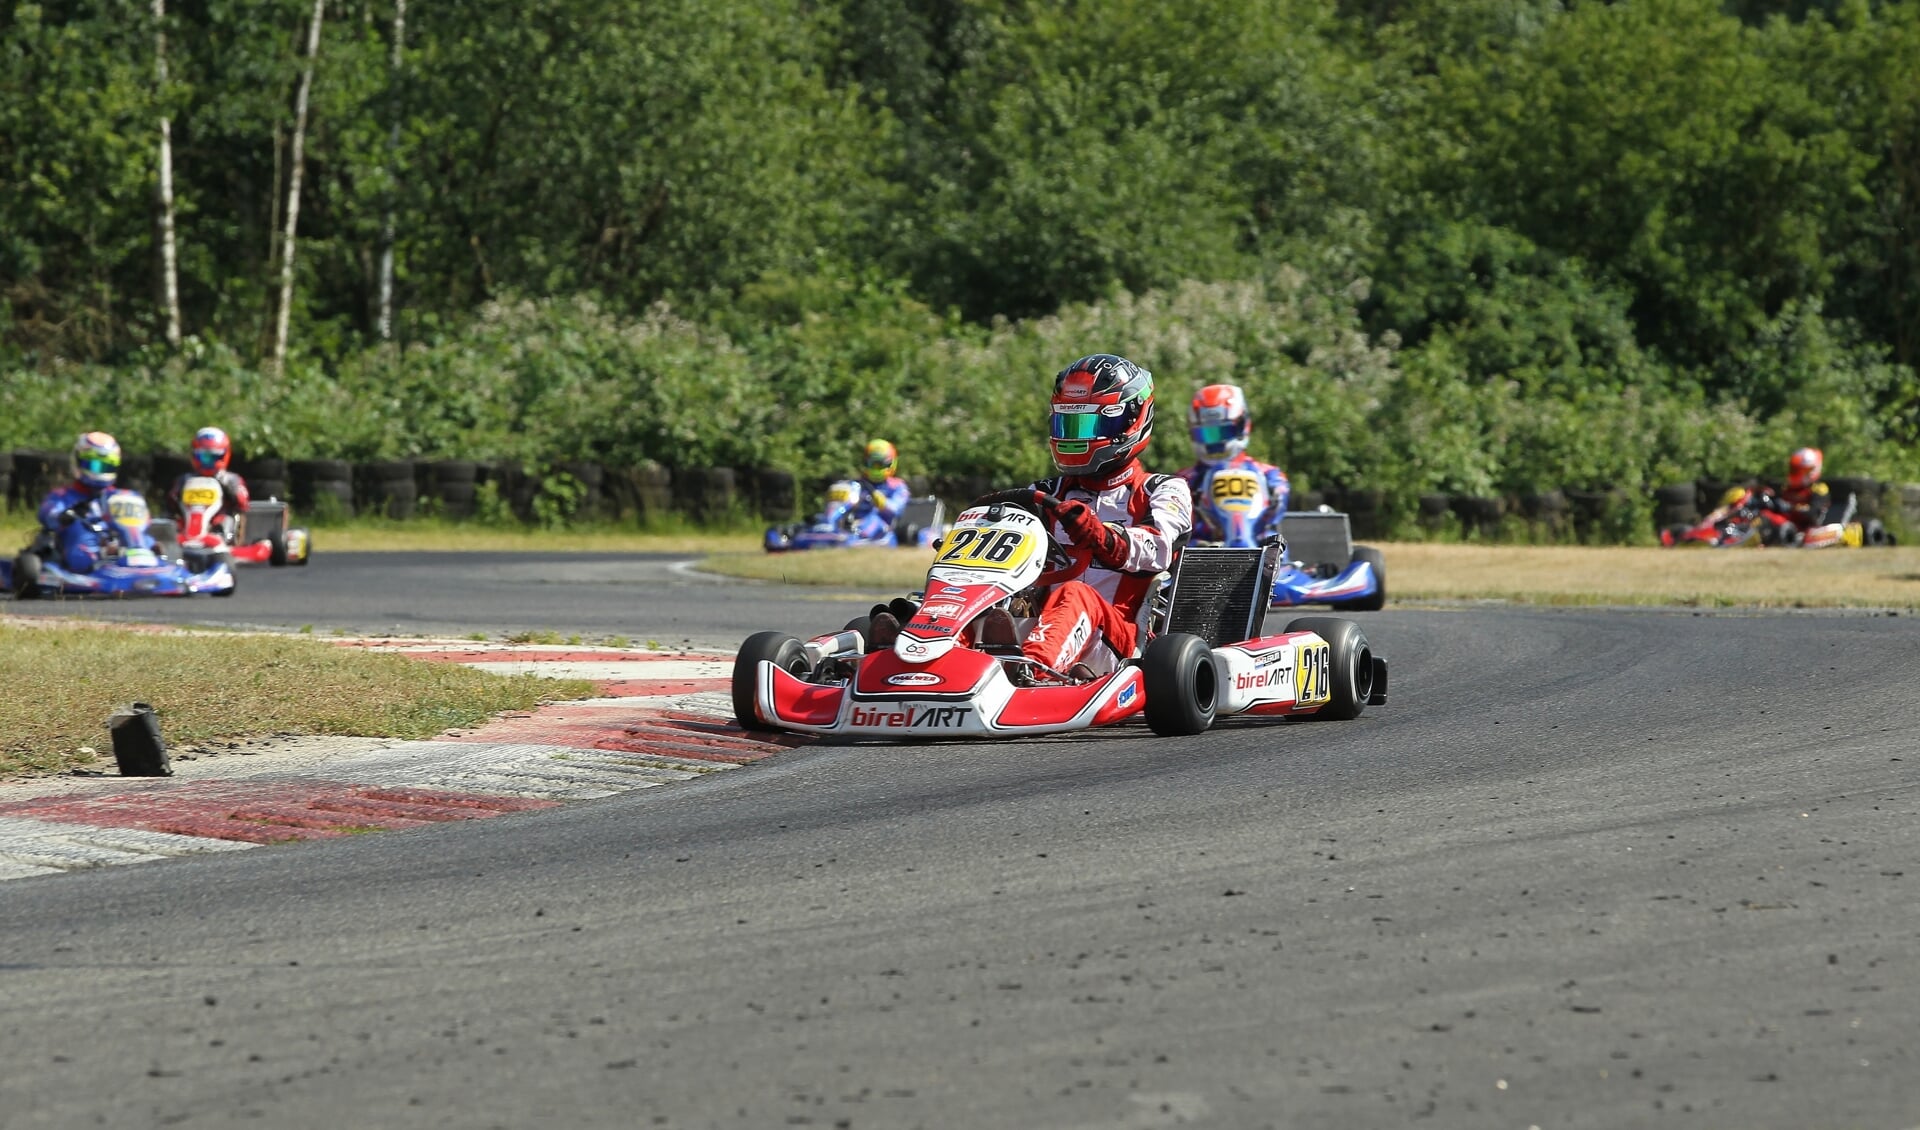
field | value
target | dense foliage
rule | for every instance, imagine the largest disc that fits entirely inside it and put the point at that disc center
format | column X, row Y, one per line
column 1466, row 245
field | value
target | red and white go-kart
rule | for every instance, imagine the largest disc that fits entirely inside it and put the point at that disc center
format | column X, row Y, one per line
column 1205, row 658
column 205, row 529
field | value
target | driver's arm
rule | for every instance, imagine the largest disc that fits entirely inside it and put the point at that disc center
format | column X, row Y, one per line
column 1150, row 545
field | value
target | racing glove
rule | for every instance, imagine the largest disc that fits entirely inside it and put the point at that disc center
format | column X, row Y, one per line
column 68, row 517
column 1086, row 531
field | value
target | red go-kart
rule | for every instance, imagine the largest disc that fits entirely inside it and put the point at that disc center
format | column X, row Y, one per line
column 1753, row 515
column 1206, row 656
column 205, row 529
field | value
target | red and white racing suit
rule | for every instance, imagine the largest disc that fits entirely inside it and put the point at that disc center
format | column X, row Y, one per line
column 1090, row 603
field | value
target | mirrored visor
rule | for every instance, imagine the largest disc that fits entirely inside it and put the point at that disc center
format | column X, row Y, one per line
column 1088, row 425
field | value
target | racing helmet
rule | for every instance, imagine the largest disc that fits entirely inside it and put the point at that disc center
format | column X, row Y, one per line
column 1219, row 423
column 211, row 450
column 1803, row 468
column 96, row 459
column 880, row 462
column 1102, row 415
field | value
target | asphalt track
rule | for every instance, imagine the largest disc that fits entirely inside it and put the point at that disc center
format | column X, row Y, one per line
column 1585, row 869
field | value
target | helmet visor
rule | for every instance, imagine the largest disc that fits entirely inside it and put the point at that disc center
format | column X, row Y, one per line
column 1090, row 423
column 205, row 458
column 1215, row 435
column 97, row 464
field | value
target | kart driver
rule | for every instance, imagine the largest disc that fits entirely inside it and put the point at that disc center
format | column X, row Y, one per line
column 1220, row 425
column 1120, row 526
column 887, row 495
column 76, row 513
column 1805, row 499
column 210, row 453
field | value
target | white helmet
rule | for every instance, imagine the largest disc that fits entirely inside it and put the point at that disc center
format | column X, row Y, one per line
column 1219, row 422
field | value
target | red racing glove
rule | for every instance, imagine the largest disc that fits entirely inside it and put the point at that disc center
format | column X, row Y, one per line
column 1085, row 530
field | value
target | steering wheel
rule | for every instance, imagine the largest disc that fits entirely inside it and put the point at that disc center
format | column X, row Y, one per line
column 1021, row 497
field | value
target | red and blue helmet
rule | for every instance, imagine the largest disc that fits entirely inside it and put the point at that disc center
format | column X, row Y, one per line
column 210, row 451
column 1219, row 423
column 96, row 459
column 1102, row 415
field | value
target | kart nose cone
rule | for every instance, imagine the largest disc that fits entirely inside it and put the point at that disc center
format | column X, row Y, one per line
column 913, row 649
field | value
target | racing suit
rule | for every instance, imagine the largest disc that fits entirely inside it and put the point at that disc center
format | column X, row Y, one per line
column 881, row 506
column 1206, row 521
column 233, row 503
column 79, row 541
column 1103, row 593
column 1806, row 507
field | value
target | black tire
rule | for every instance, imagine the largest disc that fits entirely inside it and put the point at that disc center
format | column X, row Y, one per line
column 276, row 548
column 1181, row 684
column 783, row 650
column 1352, row 662
column 861, row 624
column 1378, row 600
column 26, row 576
column 909, row 534
column 1874, row 532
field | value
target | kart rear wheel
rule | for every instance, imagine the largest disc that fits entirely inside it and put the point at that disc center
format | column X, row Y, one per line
column 276, row 548
column 783, row 651
column 26, row 576
column 1376, row 600
column 1352, row 661
column 1181, row 684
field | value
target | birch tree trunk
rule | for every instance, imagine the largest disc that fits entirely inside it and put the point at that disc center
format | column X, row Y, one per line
column 384, row 321
column 294, row 161
column 169, row 262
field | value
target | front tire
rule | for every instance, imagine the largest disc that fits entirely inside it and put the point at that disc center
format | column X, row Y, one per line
column 779, row 648
column 1352, row 661
column 1181, row 685
column 1377, row 600
column 26, row 576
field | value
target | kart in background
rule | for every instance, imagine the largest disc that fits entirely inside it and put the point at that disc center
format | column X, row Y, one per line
column 1750, row 515
column 1319, row 562
column 838, row 527
column 1209, row 655
column 125, row 567
column 205, row 529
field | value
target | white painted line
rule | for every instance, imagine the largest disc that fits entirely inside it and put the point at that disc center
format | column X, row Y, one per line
column 663, row 669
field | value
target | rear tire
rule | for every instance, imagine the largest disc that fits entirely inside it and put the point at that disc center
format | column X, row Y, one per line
column 1181, row 685
column 1352, row 662
column 784, row 651
column 26, row 576
column 1378, row 599
column 276, row 548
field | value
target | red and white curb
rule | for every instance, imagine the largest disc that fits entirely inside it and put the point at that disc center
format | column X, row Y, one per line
column 659, row 719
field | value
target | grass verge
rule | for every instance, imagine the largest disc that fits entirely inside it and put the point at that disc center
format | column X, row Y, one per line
column 1556, row 575
column 62, row 680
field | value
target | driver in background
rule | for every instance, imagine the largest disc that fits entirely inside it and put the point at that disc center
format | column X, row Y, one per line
column 1804, row 500
column 1220, row 425
column 75, row 513
column 210, row 453
column 1118, row 525
column 887, row 495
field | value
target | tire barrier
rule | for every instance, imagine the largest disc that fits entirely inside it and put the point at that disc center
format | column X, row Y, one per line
column 1480, row 517
column 136, row 473
column 1432, row 512
column 1366, row 512
column 1677, row 505
column 1866, row 494
column 774, row 494
column 704, row 492
column 168, row 466
column 592, row 502
column 34, row 474
column 1906, row 499
column 266, row 476
column 6, row 481
column 451, row 485
column 1306, row 500
column 385, row 487
column 1546, row 511
column 321, row 487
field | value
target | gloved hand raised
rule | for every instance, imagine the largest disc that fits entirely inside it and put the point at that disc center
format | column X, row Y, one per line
column 1085, row 530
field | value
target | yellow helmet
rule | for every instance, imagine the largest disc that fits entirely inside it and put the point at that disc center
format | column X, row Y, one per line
column 881, row 461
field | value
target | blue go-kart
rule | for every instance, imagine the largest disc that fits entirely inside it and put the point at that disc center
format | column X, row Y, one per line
column 126, row 567
column 1319, row 562
column 839, row 527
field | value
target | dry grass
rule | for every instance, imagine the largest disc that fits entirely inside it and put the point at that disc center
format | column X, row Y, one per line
column 62, row 679
column 1766, row 578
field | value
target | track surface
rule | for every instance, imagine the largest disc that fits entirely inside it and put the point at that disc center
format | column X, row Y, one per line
column 1586, row 869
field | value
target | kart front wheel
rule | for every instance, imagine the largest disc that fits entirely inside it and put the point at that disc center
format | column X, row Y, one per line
column 778, row 648
column 1352, row 662
column 26, row 576
column 1377, row 599
column 1181, row 684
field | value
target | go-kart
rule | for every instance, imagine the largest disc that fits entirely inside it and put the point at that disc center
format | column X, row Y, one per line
column 1319, row 562
column 1753, row 516
column 1208, row 655
column 839, row 526
column 126, row 568
column 257, row 535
